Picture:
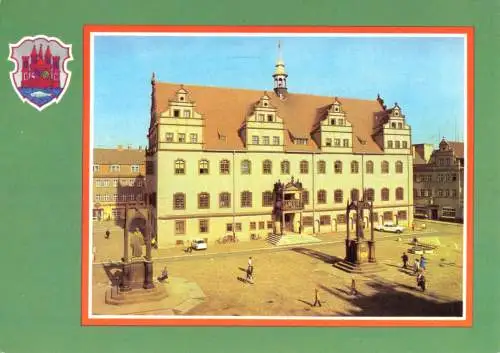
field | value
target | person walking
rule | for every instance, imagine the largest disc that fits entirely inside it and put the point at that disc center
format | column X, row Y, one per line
column 354, row 291
column 250, row 274
column 250, row 261
column 405, row 260
column 416, row 266
column 421, row 281
column 423, row 263
column 107, row 234
column 317, row 301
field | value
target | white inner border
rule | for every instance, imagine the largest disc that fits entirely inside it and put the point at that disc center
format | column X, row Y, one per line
column 281, row 34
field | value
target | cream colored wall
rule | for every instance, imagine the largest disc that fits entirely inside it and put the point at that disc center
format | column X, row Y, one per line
column 214, row 183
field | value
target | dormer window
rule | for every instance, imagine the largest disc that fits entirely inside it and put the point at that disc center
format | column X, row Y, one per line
column 393, row 125
column 336, row 109
column 340, row 122
column 396, row 113
column 265, row 104
column 332, row 121
column 400, row 125
column 269, row 117
column 300, row 141
column 187, row 113
column 181, row 98
column 260, row 117
column 177, row 113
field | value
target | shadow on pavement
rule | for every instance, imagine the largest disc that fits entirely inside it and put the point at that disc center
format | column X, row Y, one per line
column 329, row 259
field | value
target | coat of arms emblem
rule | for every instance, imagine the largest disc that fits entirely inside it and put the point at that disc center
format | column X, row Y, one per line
column 40, row 76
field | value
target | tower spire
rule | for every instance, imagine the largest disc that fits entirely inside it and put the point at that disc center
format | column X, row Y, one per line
column 280, row 75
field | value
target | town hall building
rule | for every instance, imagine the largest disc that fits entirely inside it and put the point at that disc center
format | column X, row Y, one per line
column 249, row 163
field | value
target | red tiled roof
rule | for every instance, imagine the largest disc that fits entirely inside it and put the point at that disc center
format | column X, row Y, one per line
column 225, row 110
column 458, row 147
column 123, row 156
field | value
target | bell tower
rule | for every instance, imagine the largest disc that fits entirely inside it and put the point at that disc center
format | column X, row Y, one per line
column 280, row 75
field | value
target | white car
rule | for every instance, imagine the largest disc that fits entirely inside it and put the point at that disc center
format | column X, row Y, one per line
column 199, row 244
column 389, row 227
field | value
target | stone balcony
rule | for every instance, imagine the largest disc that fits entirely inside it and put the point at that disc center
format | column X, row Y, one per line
column 291, row 205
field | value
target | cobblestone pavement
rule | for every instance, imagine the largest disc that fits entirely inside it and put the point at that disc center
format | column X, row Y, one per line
column 285, row 278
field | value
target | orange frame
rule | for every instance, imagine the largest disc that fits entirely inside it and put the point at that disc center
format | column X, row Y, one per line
column 468, row 32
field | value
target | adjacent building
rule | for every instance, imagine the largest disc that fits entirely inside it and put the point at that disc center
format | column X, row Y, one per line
column 118, row 179
column 227, row 161
column 438, row 179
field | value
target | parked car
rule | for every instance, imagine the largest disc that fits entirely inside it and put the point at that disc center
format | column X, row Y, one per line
column 389, row 227
column 199, row 244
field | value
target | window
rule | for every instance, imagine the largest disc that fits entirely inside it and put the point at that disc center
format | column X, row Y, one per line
column 115, row 168
column 179, row 201
column 321, row 196
column 269, row 225
column 338, row 196
column 265, row 140
column 260, row 117
column 115, row 182
column 203, row 225
column 305, row 197
column 354, row 167
column 324, row 220
column 307, row 221
column 400, row 125
column 267, row 167
column 180, row 227
column 304, row 167
column 139, row 197
column 285, row 167
column 180, row 167
column 193, row 138
column 269, row 117
column 341, row 219
column 384, row 194
column 338, row 167
column 399, row 167
column 224, row 166
column 96, row 167
column 332, row 121
column 246, row 167
column 134, row 168
column 400, row 194
column 393, row 125
column 321, row 167
column 224, row 200
column 229, row 227
column 169, row 137
column 340, row 122
column 328, row 142
column 369, row 167
column 448, row 212
column 346, row 142
column 402, row 216
column 204, row 200
column 276, row 140
column 262, row 225
column 255, row 140
column 267, row 199
column 336, row 142
column 187, row 113
column 454, row 193
column 398, row 144
column 405, row 144
column 388, row 216
column 246, row 199
column 203, row 166
column 237, row 227
column 375, row 217
column 447, row 193
column 181, row 138
column 177, row 113
column 354, row 195
column 440, row 193
column 385, row 167
column 115, row 197
column 390, row 144
column 370, row 195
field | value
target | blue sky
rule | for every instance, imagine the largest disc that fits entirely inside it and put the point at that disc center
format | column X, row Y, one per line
column 425, row 75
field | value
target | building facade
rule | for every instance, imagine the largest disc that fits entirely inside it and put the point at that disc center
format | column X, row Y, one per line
column 438, row 179
column 224, row 161
column 118, row 179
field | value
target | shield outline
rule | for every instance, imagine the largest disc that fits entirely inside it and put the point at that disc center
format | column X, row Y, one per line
column 64, row 67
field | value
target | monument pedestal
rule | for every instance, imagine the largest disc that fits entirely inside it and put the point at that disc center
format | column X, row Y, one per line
column 360, row 257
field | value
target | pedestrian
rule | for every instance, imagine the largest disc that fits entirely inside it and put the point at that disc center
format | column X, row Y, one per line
column 423, row 262
column 94, row 250
column 354, row 291
column 250, row 274
column 164, row 275
column 107, row 234
column 416, row 266
column 250, row 262
column 421, row 281
column 317, row 301
column 405, row 260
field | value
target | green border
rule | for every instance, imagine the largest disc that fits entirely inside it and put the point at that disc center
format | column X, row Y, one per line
column 41, row 184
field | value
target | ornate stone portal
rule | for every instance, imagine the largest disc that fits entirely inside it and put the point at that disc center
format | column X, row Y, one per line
column 288, row 207
column 360, row 250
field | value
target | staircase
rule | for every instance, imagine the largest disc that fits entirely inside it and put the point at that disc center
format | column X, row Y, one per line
column 291, row 239
column 362, row 269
